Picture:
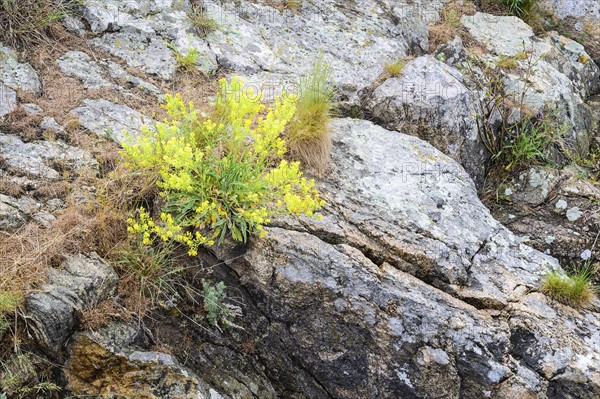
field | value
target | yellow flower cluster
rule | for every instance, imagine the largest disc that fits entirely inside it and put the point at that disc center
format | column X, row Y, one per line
column 145, row 227
column 222, row 173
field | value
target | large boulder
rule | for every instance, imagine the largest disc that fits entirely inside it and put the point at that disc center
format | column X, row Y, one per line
column 429, row 100
column 409, row 288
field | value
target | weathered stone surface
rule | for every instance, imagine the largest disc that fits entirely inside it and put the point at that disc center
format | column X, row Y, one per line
column 376, row 298
column 137, row 31
column 80, row 283
column 52, row 312
column 148, row 53
column 563, row 76
column 17, row 75
column 578, row 19
column 357, row 39
column 81, row 66
column 38, row 158
column 106, row 363
column 430, row 101
column 8, row 100
column 107, row 119
column 11, row 218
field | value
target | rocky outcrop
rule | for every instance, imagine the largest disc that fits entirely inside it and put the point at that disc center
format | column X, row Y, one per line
column 33, row 166
column 429, row 100
column 398, row 299
column 580, row 20
column 105, row 363
column 81, row 282
column 408, row 287
column 563, row 76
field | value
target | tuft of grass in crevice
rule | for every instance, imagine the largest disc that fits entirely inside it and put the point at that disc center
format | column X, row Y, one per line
column 574, row 289
column 201, row 21
column 394, row 68
column 26, row 21
column 308, row 135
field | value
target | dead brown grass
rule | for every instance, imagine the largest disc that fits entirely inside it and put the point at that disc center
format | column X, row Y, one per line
column 10, row 188
column 449, row 25
column 314, row 153
column 22, row 124
column 99, row 316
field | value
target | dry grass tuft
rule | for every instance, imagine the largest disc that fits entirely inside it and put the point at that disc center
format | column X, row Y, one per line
column 307, row 135
column 27, row 21
column 449, row 25
column 10, row 188
column 102, row 314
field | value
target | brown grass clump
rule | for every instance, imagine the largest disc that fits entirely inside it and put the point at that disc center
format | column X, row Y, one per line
column 307, row 135
column 102, row 314
column 10, row 188
column 449, row 25
column 27, row 21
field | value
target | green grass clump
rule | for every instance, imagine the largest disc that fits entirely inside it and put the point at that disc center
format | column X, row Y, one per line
column 23, row 21
column 575, row 290
column 530, row 143
column 394, row 68
column 307, row 135
column 203, row 23
column 186, row 62
column 519, row 8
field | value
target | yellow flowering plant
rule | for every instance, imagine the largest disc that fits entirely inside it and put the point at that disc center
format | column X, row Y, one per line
column 222, row 174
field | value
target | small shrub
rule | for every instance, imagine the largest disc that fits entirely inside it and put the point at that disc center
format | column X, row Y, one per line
column 215, row 308
column 495, row 103
column 186, row 62
column 222, row 175
column 23, row 21
column 308, row 135
column 574, row 290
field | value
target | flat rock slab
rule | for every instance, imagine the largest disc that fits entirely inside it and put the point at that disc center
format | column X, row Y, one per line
column 17, row 75
column 107, row 119
column 146, row 52
column 37, row 158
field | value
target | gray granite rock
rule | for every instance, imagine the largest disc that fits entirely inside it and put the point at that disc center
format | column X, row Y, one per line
column 111, row 120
